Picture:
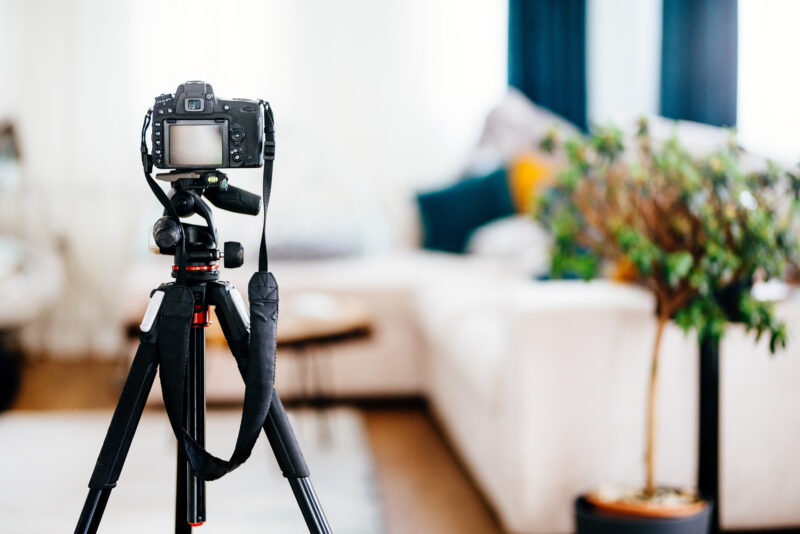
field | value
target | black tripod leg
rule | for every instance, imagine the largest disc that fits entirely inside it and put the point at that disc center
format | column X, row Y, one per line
column 118, row 438
column 290, row 459
column 181, row 493
column 233, row 319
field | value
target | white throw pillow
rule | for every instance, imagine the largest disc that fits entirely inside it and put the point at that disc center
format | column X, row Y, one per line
column 517, row 240
column 513, row 126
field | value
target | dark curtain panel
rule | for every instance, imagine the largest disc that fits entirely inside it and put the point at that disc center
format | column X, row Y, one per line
column 547, row 54
column 699, row 61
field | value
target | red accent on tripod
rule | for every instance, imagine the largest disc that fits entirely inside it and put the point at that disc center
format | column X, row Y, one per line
column 214, row 267
column 201, row 317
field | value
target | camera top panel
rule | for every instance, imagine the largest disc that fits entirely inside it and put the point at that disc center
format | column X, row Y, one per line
column 193, row 129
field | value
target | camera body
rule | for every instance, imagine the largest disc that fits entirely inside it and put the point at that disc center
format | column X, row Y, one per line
column 193, row 129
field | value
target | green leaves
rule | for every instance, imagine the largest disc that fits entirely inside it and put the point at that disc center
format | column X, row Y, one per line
column 678, row 266
column 759, row 316
column 639, row 250
column 691, row 227
column 577, row 150
column 607, row 141
column 550, row 141
column 573, row 263
column 705, row 316
column 794, row 185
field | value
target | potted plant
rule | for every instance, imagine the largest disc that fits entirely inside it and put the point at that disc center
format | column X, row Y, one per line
column 696, row 233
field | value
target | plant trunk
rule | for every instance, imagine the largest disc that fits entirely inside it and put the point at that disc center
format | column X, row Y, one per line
column 652, row 395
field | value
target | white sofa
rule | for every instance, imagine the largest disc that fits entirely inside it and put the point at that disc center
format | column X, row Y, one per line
column 540, row 386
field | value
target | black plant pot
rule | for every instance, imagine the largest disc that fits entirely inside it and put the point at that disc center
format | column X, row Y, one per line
column 590, row 521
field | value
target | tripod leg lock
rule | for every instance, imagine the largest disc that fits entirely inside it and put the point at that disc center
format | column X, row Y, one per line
column 152, row 311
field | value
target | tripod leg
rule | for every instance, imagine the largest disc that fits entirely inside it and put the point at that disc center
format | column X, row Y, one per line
column 235, row 322
column 181, row 479
column 290, row 459
column 118, row 438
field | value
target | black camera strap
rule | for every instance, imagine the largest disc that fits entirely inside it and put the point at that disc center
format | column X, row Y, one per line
column 175, row 323
column 269, row 160
column 171, row 345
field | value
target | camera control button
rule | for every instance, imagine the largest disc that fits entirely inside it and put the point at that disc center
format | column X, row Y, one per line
column 160, row 111
column 158, row 133
column 236, row 157
column 169, row 110
column 226, row 107
column 209, row 96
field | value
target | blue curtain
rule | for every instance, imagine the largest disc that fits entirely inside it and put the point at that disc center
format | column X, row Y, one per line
column 547, row 54
column 699, row 61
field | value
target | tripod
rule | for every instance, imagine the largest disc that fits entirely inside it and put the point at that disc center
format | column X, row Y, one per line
column 186, row 302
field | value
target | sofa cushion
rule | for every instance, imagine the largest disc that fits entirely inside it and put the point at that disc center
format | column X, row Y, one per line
column 451, row 214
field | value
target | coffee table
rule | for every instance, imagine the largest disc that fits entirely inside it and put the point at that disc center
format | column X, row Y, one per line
column 310, row 322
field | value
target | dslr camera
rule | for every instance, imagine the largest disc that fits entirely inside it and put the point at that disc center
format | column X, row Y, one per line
column 193, row 129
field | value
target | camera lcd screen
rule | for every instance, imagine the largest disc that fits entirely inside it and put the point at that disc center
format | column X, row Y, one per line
column 193, row 145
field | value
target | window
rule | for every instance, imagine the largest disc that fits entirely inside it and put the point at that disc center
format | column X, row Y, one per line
column 769, row 78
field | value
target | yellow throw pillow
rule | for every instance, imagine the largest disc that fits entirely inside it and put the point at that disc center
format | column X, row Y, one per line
column 528, row 174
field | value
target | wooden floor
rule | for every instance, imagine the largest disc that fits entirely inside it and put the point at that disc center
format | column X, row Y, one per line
column 423, row 489
column 70, row 385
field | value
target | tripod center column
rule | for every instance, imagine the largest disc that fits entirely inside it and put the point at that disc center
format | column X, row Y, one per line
column 196, row 412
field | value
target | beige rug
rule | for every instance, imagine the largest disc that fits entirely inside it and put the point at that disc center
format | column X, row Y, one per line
column 46, row 461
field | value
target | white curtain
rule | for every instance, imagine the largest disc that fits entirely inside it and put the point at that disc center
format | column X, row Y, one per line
column 372, row 99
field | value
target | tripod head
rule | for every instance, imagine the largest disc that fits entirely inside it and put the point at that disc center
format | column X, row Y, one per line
column 189, row 187
column 196, row 134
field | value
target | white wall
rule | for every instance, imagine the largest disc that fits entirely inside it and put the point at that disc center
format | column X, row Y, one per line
column 623, row 59
column 69, row 88
column 372, row 100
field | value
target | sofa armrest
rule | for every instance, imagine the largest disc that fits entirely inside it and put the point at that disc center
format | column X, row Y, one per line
column 576, row 382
